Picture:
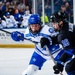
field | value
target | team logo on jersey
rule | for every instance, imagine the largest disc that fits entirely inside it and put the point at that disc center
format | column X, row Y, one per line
column 65, row 42
column 34, row 59
column 51, row 30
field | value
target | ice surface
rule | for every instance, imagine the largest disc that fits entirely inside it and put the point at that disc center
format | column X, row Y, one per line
column 13, row 61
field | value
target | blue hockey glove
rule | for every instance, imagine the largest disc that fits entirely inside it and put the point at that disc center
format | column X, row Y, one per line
column 44, row 41
column 17, row 36
column 58, row 68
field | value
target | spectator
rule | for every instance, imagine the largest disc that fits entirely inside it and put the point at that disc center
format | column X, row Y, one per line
column 48, row 9
column 2, row 23
column 21, row 8
column 57, row 5
column 17, row 15
column 3, row 8
column 0, row 9
column 70, row 12
column 39, row 7
column 63, row 9
column 23, row 23
column 44, row 18
column 25, row 19
column 10, row 21
column 12, row 5
column 27, row 11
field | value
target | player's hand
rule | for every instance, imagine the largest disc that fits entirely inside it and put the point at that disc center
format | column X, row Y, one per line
column 17, row 36
column 58, row 68
column 44, row 41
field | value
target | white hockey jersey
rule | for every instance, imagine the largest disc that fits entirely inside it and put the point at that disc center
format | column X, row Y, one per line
column 3, row 24
column 45, row 32
column 25, row 20
column 11, row 22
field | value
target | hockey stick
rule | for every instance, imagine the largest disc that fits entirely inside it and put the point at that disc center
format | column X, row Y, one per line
column 48, row 49
column 5, row 31
column 19, row 36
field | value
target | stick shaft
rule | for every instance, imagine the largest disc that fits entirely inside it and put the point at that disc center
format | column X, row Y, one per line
column 52, row 57
column 19, row 36
column 5, row 31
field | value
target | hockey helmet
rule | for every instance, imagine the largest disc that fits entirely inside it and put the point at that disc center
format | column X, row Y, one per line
column 34, row 19
column 58, row 16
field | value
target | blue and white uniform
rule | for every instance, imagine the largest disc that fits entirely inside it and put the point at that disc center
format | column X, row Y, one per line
column 46, row 31
column 3, row 24
column 40, row 55
column 25, row 20
column 10, row 21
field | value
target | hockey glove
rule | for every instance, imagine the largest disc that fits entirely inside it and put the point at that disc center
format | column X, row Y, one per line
column 44, row 41
column 17, row 36
column 70, row 67
column 58, row 68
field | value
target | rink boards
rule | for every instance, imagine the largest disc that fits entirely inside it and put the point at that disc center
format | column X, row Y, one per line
column 6, row 40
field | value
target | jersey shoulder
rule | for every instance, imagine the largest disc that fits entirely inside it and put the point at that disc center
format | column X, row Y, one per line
column 47, row 29
column 26, row 31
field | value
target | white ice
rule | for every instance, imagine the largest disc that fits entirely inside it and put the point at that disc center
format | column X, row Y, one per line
column 13, row 61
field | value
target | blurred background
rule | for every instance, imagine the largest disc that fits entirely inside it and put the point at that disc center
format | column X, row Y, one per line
column 14, row 15
column 42, row 7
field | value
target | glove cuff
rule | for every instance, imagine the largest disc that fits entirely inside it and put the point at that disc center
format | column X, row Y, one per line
column 60, row 62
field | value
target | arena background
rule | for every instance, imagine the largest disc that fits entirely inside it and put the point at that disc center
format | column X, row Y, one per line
column 42, row 7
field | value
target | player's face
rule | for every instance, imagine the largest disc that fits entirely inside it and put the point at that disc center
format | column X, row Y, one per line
column 35, row 27
column 56, row 26
column 8, row 16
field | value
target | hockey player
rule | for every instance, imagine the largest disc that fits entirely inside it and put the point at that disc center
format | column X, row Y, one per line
column 66, row 38
column 37, row 33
